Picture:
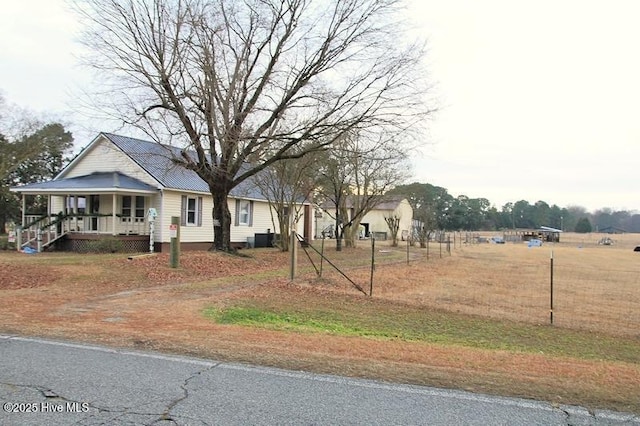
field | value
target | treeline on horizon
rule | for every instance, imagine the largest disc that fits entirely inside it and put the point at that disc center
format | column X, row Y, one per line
column 437, row 209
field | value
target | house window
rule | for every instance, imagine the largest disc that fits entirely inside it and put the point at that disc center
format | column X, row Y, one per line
column 130, row 213
column 82, row 205
column 126, row 208
column 139, row 209
column 244, row 213
column 74, row 201
column 94, row 203
column 191, row 212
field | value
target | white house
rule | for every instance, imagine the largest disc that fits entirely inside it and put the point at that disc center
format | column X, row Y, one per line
column 372, row 222
column 114, row 186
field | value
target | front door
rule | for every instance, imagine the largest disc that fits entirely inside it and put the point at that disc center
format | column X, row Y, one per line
column 94, row 206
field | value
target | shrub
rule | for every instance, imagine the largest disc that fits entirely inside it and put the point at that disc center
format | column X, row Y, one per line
column 105, row 245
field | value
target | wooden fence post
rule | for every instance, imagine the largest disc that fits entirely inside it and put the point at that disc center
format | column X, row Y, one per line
column 174, row 234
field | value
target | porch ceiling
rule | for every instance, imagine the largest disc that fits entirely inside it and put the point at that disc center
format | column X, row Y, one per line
column 95, row 183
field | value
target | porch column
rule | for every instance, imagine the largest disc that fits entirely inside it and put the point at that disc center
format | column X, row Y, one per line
column 24, row 208
column 113, row 215
column 66, row 225
column 75, row 211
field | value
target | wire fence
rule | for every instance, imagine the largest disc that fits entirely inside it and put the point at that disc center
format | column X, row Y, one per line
column 576, row 283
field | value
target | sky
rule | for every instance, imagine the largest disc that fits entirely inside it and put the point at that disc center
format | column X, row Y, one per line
column 536, row 100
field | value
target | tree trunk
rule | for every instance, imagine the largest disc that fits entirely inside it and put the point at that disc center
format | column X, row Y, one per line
column 393, row 223
column 283, row 223
column 352, row 234
column 221, row 220
column 339, row 231
column 349, row 237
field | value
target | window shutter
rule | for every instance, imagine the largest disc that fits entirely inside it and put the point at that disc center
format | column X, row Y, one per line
column 183, row 211
column 250, row 213
column 237, row 220
column 199, row 208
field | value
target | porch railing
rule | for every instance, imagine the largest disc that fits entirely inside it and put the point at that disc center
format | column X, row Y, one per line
column 41, row 231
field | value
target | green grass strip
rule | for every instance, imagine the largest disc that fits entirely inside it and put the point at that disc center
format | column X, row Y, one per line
column 281, row 321
column 439, row 328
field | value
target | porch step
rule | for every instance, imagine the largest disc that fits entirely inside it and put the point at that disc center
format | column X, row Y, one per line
column 47, row 238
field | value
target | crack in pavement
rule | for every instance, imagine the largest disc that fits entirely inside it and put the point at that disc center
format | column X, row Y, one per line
column 166, row 415
column 46, row 392
column 171, row 406
column 50, row 394
column 575, row 416
column 120, row 412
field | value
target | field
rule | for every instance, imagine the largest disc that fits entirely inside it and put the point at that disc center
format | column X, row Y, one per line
column 476, row 318
column 595, row 287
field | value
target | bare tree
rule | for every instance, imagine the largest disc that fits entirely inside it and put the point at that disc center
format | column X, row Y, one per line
column 393, row 222
column 17, row 142
column 334, row 189
column 286, row 185
column 17, row 122
column 425, row 222
column 359, row 171
column 262, row 80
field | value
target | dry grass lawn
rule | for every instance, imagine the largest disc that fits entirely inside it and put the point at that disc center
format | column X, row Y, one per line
column 595, row 287
column 477, row 319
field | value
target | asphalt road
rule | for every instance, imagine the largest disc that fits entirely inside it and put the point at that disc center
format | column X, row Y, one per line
column 46, row 382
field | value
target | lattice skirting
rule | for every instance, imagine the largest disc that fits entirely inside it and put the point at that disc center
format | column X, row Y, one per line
column 92, row 243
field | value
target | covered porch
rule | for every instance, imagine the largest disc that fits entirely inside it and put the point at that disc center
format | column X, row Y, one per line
column 88, row 208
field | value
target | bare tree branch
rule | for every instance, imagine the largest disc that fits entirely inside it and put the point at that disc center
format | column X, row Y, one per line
column 266, row 80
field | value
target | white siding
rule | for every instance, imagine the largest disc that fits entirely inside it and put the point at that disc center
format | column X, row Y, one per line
column 104, row 156
column 405, row 211
column 300, row 225
column 375, row 218
column 170, row 206
column 263, row 222
column 106, row 207
column 57, row 204
column 171, row 203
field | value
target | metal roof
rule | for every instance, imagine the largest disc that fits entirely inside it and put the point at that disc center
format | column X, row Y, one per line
column 157, row 160
column 95, row 182
column 549, row 229
column 383, row 203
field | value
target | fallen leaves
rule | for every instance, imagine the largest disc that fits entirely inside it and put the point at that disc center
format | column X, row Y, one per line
column 200, row 266
column 13, row 277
